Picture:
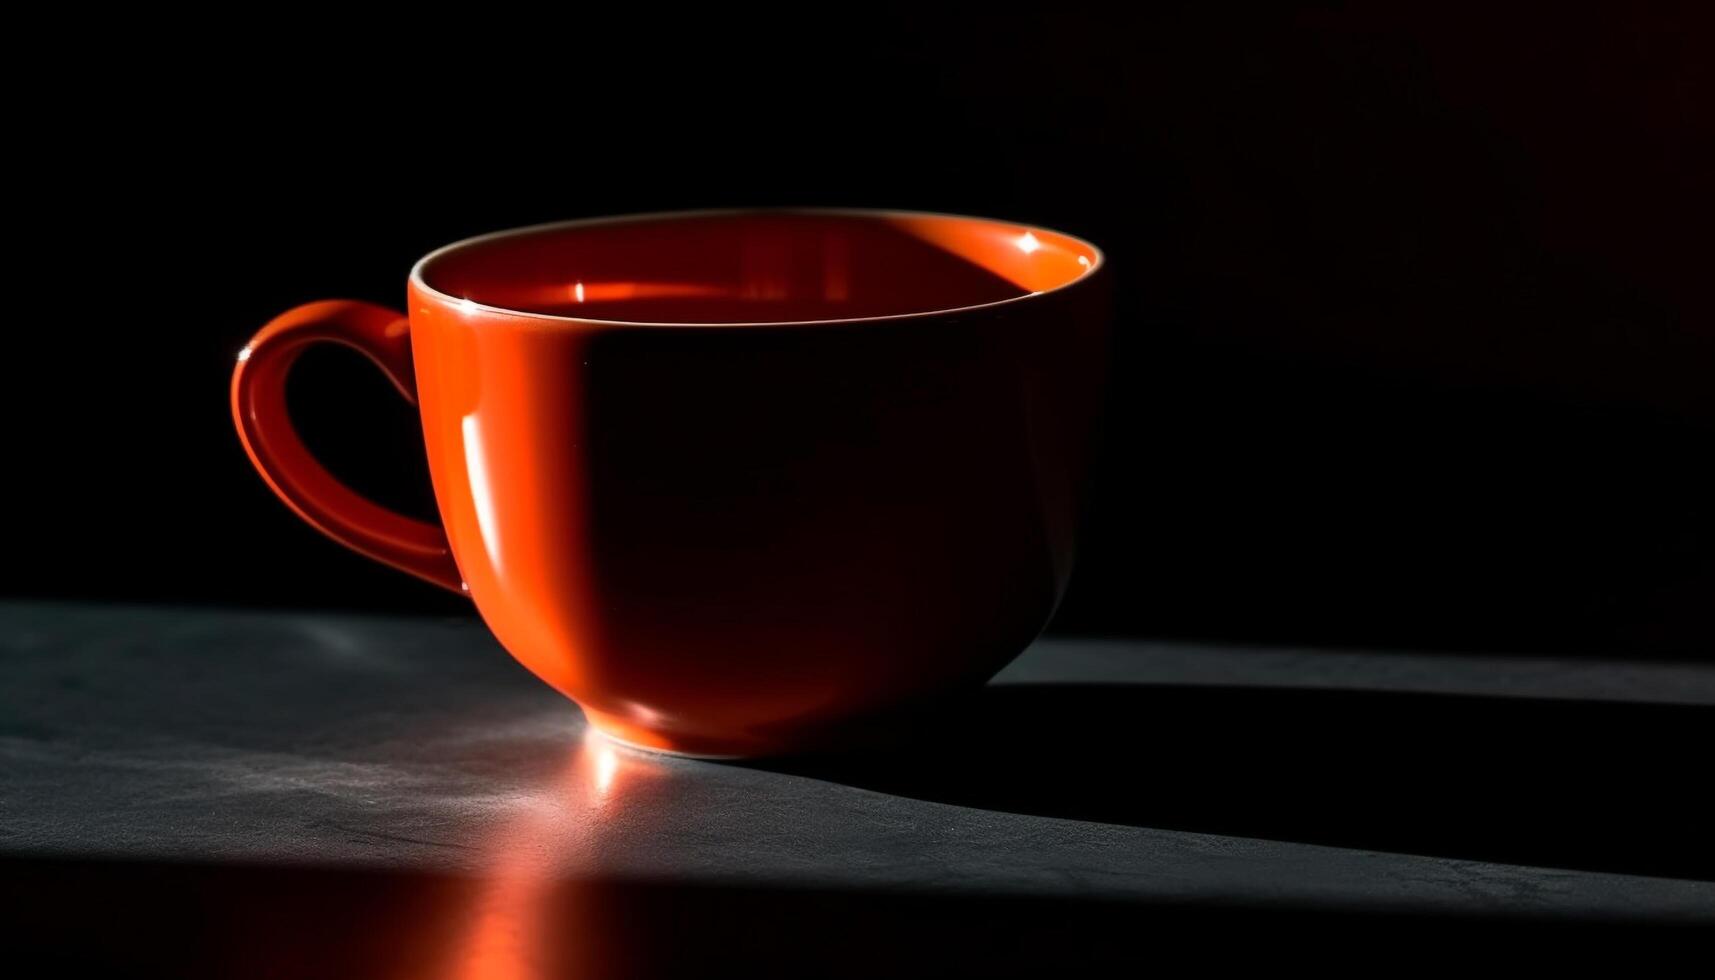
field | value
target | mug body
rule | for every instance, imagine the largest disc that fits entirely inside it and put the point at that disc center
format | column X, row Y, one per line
column 736, row 482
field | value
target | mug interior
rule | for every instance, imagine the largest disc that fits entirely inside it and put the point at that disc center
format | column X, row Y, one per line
column 757, row 266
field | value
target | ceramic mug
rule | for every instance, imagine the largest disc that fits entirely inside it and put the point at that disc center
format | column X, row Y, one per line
column 733, row 481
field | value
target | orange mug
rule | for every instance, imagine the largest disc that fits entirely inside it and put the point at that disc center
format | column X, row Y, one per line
column 736, row 482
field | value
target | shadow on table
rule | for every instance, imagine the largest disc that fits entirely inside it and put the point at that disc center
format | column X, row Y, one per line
column 1568, row 784
column 132, row 918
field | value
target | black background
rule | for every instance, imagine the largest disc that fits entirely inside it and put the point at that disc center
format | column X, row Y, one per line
column 1416, row 339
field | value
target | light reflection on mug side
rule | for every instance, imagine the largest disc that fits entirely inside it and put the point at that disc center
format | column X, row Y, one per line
column 482, row 489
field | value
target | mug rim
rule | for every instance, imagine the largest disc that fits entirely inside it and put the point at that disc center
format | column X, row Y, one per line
column 468, row 306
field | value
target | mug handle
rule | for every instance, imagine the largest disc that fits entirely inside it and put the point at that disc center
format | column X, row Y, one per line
column 259, row 412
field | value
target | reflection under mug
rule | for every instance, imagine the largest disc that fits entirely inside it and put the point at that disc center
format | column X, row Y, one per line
column 736, row 482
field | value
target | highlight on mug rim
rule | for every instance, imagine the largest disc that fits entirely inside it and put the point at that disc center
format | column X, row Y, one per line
column 1028, row 239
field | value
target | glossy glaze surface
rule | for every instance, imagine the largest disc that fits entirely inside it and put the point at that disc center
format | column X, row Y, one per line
column 735, row 539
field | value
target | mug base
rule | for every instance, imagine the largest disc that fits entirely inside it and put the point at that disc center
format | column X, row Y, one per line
column 643, row 740
column 871, row 732
column 636, row 746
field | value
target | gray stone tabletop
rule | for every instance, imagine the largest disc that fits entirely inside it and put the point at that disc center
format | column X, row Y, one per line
column 154, row 759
